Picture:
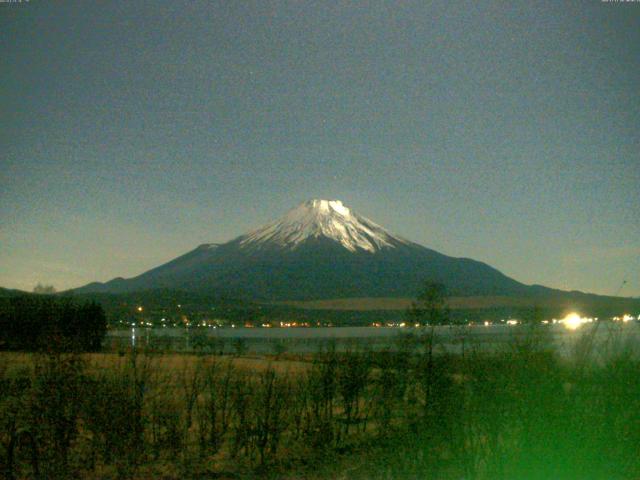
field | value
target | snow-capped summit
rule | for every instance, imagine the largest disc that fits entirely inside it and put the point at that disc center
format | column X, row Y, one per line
column 319, row 250
column 322, row 219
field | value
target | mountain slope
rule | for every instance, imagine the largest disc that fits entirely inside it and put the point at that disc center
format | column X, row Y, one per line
column 7, row 292
column 320, row 249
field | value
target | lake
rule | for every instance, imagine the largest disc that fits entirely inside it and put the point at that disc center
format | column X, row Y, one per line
column 454, row 339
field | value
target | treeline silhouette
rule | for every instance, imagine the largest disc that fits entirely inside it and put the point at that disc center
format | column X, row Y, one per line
column 35, row 322
column 412, row 412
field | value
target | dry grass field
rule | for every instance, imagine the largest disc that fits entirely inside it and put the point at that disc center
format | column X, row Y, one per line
column 166, row 363
column 521, row 412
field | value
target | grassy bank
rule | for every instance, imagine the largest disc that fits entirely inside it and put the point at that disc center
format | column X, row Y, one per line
column 518, row 413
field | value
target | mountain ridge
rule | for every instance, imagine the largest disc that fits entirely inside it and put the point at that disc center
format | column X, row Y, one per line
column 319, row 249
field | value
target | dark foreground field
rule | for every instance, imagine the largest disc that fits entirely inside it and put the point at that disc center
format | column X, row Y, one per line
column 519, row 413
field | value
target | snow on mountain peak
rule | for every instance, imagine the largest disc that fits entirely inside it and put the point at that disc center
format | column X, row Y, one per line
column 322, row 218
column 327, row 206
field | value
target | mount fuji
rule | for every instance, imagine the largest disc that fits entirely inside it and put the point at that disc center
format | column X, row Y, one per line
column 320, row 249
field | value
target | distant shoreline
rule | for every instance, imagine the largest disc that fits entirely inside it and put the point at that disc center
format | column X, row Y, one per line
column 569, row 300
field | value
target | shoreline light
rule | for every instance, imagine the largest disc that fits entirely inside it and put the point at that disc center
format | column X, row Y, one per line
column 573, row 321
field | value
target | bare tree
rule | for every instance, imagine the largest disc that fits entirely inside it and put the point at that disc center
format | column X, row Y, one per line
column 44, row 289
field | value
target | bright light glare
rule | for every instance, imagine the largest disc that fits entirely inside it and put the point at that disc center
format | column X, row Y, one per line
column 572, row 321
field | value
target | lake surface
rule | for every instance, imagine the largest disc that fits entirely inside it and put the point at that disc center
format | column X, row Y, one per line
column 609, row 336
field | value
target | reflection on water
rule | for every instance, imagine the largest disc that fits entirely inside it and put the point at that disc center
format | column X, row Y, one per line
column 453, row 339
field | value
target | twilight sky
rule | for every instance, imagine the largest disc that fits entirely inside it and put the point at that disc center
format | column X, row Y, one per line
column 131, row 132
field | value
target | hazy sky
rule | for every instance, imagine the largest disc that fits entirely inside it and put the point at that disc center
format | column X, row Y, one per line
column 508, row 132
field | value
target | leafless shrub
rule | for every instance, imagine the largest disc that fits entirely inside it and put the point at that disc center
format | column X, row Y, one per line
column 215, row 412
